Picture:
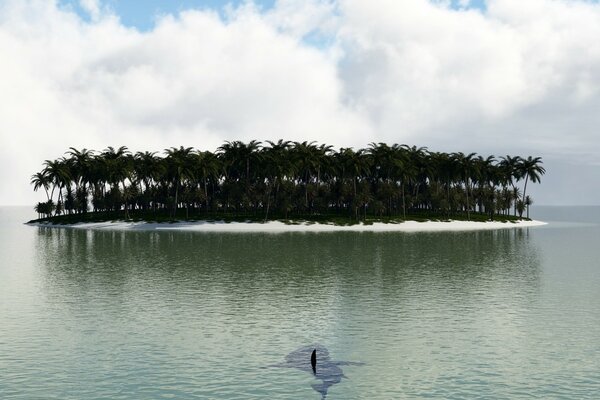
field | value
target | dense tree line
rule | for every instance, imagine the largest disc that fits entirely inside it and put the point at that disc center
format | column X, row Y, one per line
column 287, row 179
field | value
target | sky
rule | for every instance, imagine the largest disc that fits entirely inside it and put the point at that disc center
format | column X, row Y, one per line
column 494, row 77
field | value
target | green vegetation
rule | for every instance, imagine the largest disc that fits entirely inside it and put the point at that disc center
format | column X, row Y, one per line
column 283, row 180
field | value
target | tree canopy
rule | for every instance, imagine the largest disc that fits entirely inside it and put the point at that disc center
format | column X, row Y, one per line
column 286, row 179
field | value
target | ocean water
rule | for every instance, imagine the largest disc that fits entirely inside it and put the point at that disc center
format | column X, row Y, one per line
column 512, row 313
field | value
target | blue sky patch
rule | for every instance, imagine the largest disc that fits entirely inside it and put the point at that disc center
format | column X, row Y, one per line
column 142, row 14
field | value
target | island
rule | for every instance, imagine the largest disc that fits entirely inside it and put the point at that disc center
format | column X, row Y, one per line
column 286, row 186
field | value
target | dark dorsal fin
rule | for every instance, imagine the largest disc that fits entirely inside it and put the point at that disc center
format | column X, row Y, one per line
column 313, row 361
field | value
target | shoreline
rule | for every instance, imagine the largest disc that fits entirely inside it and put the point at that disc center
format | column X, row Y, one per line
column 280, row 227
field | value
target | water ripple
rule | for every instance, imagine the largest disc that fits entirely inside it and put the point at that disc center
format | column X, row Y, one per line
column 125, row 315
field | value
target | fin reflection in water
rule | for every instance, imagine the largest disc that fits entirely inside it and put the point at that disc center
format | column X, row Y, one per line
column 315, row 359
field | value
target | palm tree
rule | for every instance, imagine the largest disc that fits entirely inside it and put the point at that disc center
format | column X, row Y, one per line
column 179, row 164
column 59, row 175
column 44, row 208
column 148, row 170
column 39, row 208
column 277, row 166
column 41, row 179
column 208, row 169
column 387, row 161
column 408, row 162
column 531, row 169
column 510, row 174
column 445, row 171
column 238, row 158
column 528, row 202
column 306, row 156
column 466, row 167
column 516, row 196
column 510, row 170
column 416, row 158
column 520, row 207
column 79, row 163
column 118, row 169
column 355, row 165
column 487, row 177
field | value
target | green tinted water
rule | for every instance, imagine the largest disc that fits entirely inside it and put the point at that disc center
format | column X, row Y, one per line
column 148, row 315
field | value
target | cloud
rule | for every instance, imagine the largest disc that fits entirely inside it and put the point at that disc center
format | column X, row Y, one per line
column 300, row 18
column 195, row 80
column 92, row 7
column 518, row 78
column 429, row 71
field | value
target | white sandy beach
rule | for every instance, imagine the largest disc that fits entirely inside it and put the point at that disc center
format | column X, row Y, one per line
column 277, row 226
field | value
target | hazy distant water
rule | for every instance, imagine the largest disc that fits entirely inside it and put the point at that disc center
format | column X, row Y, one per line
column 148, row 315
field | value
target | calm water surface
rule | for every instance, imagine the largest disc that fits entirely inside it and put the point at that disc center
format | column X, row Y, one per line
column 150, row 315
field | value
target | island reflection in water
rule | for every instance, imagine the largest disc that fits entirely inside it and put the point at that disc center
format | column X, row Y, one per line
column 183, row 312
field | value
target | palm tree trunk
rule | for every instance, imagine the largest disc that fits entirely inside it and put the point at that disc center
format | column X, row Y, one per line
column 247, row 173
column 467, row 192
column 354, row 200
column 525, row 187
column 268, row 203
column 403, row 201
column 58, row 200
column 206, row 194
column 448, row 198
column 125, row 197
column 318, row 176
column 176, row 194
column 306, row 191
